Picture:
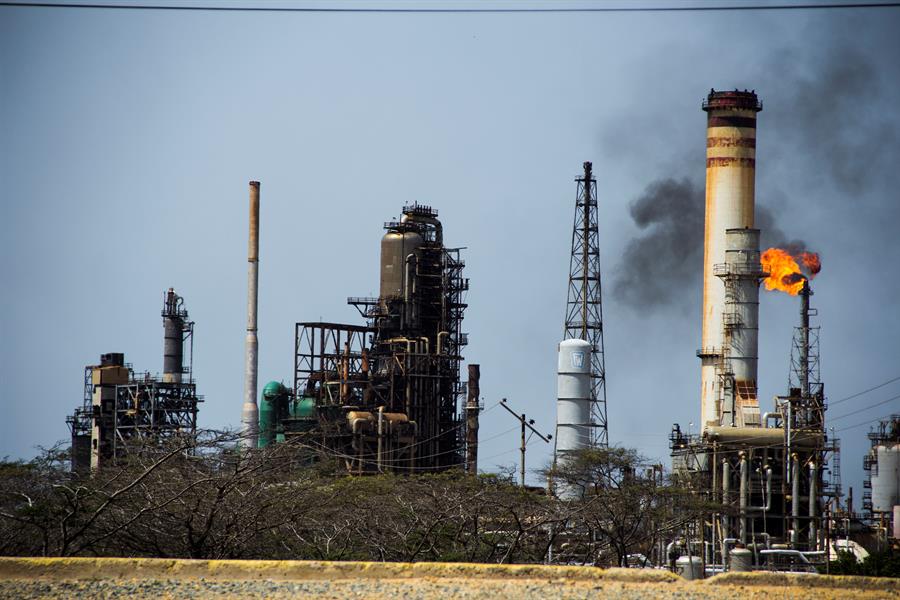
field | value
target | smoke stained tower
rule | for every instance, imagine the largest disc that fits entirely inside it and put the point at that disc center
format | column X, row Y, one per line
column 730, row 204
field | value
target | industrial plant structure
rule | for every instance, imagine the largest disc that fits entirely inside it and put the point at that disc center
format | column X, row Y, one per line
column 764, row 471
column 385, row 396
column 121, row 406
column 581, row 374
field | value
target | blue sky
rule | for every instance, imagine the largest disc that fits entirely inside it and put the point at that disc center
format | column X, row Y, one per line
column 128, row 139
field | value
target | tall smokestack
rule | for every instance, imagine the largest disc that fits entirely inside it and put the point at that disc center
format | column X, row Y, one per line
column 250, row 412
column 730, row 182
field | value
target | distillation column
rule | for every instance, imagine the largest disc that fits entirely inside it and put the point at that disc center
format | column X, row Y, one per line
column 730, row 181
column 173, row 343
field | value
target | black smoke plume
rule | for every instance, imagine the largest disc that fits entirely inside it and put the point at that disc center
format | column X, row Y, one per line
column 663, row 266
column 667, row 258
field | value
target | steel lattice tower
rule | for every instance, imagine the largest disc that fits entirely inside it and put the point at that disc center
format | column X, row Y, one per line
column 584, row 311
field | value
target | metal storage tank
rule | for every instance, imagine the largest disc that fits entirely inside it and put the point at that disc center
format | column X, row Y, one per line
column 396, row 246
column 573, row 405
column 896, row 522
column 271, row 412
column 689, row 567
column 886, row 478
column 741, row 559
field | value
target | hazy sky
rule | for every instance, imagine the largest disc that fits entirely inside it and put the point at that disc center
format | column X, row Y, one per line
column 128, row 139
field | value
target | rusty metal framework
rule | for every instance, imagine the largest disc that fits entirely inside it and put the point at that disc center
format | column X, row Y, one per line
column 120, row 407
column 757, row 476
column 387, row 394
column 584, row 310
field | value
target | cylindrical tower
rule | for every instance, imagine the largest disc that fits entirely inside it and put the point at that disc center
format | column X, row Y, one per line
column 250, row 413
column 885, row 477
column 740, row 323
column 173, row 337
column 472, row 410
column 573, row 404
column 730, row 181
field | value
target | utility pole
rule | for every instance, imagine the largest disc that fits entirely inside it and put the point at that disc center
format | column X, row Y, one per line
column 525, row 423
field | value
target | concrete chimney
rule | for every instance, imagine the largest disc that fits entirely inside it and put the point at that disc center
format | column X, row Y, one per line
column 250, row 412
column 730, row 204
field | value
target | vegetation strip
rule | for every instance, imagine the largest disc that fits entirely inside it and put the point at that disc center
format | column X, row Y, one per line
column 236, row 570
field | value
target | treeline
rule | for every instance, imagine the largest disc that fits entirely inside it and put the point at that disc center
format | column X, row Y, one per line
column 199, row 498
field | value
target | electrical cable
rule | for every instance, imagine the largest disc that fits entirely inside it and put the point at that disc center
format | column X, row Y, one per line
column 871, row 389
column 865, row 408
column 462, row 10
column 865, row 423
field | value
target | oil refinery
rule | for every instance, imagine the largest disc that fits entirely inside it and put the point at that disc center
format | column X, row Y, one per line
column 388, row 394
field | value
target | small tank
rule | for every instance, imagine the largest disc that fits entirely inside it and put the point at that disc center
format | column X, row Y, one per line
column 885, row 477
column 273, row 407
column 573, row 405
column 741, row 560
column 689, row 567
column 396, row 246
column 304, row 408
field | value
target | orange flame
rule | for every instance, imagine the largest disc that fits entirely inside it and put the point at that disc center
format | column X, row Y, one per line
column 784, row 272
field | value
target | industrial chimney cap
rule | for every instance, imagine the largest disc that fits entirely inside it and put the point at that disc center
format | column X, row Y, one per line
column 741, row 100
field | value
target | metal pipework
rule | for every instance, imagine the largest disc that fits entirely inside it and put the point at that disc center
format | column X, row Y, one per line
column 380, row 454
column 250, row 411
column 440, row 336
column 804, row 339
column 813, row 475
column 726, row 489
column 730, row 204
column 795, row 501
column 770, row 416
column 745, row 481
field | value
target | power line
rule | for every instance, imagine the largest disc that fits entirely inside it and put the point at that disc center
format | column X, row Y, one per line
column 859, row 410
column 871, row 389
column 458, row 10
column 864, row 423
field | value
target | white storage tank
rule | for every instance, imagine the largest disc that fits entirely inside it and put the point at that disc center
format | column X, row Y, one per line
column 886, row 478
column 573, row 392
